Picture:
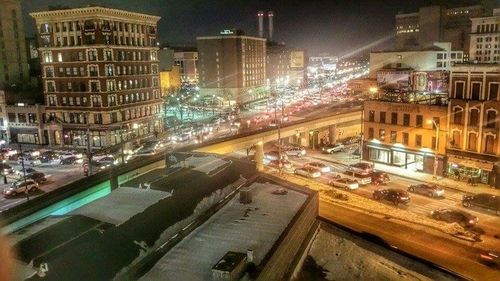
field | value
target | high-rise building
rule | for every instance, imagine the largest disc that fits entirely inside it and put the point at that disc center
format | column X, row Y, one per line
column 473, row 146
column 284, row 64
column 13, row 56
column 232, row 67
column 485, row 38
column 100, row 75
column 187, row 60
column 437, row 24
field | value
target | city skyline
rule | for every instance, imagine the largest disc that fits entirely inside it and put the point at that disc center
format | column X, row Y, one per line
column 317, row 26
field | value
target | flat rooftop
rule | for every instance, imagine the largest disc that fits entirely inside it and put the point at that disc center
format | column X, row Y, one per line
column 236, row 227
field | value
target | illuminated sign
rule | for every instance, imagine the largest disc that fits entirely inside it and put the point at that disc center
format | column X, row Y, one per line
column 226, row 32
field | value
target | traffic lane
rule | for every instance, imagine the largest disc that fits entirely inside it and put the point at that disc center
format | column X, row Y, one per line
column 488, row 225
column 423, row 244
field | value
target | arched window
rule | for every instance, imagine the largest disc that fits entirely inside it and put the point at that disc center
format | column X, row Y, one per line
column 491, row 117
column 472, row 144
column 489, row 142
column 474, row 117
column 457, row 115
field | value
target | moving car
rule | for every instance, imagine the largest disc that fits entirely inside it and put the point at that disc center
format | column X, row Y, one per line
column 427, row 189
column 396, row 196
column 308, row 172
column 344, row 183
column 48, row 156
column 449, row 215
column 295, row 151
column 357, row 177
column 22, row 186
column 488, row 257
column 332, row 148
column 379, row 177
column 285, row 164
column 482, row 200
column 361, row 167
column 320, row 166
column 29, row 161
column 6, row 169
column 275, row 155
column 38, row 177
column 69, row 160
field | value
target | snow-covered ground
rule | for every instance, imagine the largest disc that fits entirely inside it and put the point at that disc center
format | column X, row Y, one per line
column 236, row 227
column 116, row 207
column 346, row 257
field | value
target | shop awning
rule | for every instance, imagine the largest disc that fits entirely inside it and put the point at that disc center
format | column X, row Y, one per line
column 378, row 147
column 471, row 163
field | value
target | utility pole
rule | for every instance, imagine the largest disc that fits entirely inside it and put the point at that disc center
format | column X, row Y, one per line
column 122, row 144
column 89, row 153
column 24, row 170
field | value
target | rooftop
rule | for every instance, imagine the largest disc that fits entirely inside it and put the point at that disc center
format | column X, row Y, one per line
column 229, row 261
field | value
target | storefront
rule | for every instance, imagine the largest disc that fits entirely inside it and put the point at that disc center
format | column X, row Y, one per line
column 25, row 135
column 470, row 170
column 409, row 159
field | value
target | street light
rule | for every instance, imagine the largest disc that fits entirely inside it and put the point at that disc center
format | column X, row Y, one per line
column 432, row 121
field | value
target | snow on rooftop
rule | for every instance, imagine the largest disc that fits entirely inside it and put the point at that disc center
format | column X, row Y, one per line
column 349, row 258
column 121, row 204
column 207, row 164
column 36, row 227
column 236, row 227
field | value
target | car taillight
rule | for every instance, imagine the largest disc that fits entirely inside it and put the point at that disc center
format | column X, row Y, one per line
column 488, row 257
column 471, row 221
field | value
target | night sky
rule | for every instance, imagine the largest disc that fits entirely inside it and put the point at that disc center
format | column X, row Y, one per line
column 338, row 27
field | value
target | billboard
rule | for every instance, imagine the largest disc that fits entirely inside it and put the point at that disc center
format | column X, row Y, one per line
column 430, row 81
column 393, row 79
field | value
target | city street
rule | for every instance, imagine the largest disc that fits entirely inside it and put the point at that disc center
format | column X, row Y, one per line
column 488, row 227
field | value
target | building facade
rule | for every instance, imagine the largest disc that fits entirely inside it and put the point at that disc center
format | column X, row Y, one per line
column 437, row 24
column 473, row 144
column 485, row 38
column 187, row 60
column 100, row 75
column 405, row 135
column 439, row 57
column 14, row 69
column 232, row 68
column 283, row 63
column 170, row 80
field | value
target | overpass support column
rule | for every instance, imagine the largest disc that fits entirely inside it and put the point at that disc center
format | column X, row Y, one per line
column 332, row 133
column 259, row 156
column 303, row 140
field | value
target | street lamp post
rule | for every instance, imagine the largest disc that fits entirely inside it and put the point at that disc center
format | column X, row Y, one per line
column 436, row 148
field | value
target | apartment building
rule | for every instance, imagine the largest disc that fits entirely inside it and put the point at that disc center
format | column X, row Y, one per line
column 232, row 67
column 100, row 74
column 485, row 38
column 14, row 69
column 473, row 144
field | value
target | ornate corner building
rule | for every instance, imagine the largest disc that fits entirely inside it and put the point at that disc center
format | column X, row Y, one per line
column 100, row 75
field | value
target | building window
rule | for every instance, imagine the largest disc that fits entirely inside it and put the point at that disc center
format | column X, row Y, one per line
column 459, row 90
column 472, row 142
column 474, row 117
column 406, row 138
column 49, row 71
column 394, row 136
column 419, row 121
column 394, row 118
column 52, row 100
column 370, row 133
column 92, row 55
column 94, row 86
column 455, row 140
column 491, row 117
column 93, row 71
column 457, row 115
column 493, row 92
column 476, row 91
column 382, row 117
column 406, row 119
column 489, row 142
column 434, row 143
column 381, row 134
column 108, row 55
column 97, row 118
column 109, row 70
column 47, row 57
column 418, row 140
column 371, row 116
column 51, row 86
column 435, row 123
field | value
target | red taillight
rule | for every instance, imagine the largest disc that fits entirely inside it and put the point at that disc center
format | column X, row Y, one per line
column 488, row 257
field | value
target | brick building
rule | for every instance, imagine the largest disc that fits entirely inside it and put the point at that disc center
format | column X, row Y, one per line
column 100, row 75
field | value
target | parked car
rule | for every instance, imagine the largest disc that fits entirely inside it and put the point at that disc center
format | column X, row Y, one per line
column 48, row 156
column 344, row 183
column 357, row 177
column 430, row 190
column 320, row 166
column 396, row 196
column 361, row 167
column 448, row 215
column 308, row 172
column 22, row 186
column 295, row 151
column 38, row 177
column 29, row 161
column 489, row 257
column 332, row 148
column 70, row 154
column 482, row 200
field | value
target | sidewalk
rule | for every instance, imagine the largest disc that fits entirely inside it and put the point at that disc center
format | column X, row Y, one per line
column 345, row 159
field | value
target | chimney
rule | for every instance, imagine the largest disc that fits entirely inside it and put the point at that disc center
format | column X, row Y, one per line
column 270, row 15
column 260, row 17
